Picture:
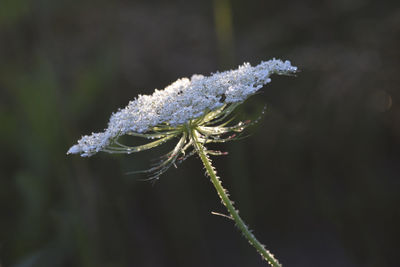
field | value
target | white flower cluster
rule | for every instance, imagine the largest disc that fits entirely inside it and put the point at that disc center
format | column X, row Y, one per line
column 182, row 101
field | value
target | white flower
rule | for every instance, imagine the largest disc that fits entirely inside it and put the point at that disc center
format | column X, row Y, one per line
column 182, row 101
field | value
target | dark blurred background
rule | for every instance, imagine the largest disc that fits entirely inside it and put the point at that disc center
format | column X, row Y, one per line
column 318, row 179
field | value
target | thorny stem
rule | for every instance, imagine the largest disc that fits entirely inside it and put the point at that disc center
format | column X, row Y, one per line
column 268, row 256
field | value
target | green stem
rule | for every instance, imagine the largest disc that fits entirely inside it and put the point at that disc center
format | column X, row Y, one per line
column 268, row 256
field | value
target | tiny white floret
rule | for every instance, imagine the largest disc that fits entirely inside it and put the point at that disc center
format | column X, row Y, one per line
column 182, row 101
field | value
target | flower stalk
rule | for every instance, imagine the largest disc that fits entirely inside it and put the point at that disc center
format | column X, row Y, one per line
column 234, row 214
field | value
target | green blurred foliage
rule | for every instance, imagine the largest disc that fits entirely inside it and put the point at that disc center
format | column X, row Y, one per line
column 318, row 178
column 12, row 11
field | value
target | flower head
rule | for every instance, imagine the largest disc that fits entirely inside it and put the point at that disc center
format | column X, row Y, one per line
column 201, row 101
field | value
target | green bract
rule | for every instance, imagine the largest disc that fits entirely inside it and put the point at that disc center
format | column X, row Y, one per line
column 213, row 127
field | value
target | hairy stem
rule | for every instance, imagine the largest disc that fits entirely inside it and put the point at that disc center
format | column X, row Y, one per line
column 268, row 256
